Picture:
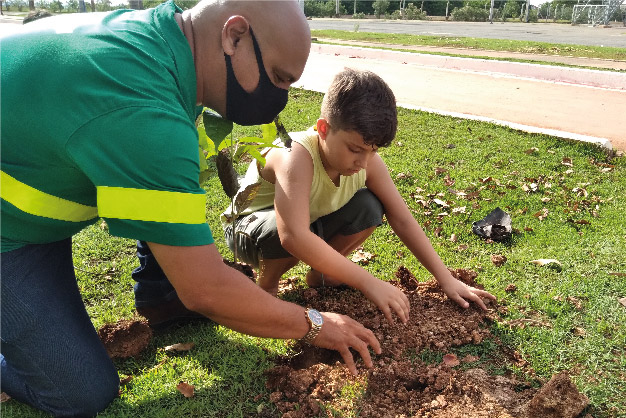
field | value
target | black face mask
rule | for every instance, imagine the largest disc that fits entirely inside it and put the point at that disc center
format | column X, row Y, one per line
column 260, row 106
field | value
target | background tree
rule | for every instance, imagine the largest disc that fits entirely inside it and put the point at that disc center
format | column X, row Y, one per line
column 380, row 7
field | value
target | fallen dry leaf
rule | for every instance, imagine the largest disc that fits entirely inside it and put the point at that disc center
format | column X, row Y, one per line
column 531, row 150
column 362, row 257
column 548, row 262
column 451, row 360
column 186, row 389
column 541, row 215
column 498, row 260
column 4, row 397
column 614, row 273
column 180, row 347
column 622, row 301
column 567, row 161
column 441, row 203
column 126, row 380
column 578, row 305
column 470, row 359
column 453, row 238
column 510, row 288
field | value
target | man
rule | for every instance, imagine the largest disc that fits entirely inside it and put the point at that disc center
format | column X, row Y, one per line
column 98, row 116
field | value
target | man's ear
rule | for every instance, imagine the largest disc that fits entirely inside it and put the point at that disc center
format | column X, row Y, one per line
column 233, row 30
column 322, row 128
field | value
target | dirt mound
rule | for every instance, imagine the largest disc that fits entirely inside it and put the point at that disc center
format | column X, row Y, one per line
column 244, row 268
column 125, row 338
column 405, row 382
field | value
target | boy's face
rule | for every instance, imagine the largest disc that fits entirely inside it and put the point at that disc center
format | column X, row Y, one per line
column 342, row 151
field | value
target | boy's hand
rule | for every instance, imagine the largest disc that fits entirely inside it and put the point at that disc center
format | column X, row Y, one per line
column 341, row 333
column 459, row 292
column 388, row 297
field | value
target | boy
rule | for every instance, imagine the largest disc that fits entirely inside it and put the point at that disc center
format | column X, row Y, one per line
column 321, row 198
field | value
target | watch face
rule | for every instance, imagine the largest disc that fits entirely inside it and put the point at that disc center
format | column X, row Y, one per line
column 315, row 317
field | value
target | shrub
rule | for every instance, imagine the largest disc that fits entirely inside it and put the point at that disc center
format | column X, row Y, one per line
column 380, row 7
column 359, row 15
column 470, row 14
column 412, row 12
column 316, row 8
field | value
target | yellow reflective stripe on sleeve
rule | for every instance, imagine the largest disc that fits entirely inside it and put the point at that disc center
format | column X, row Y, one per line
column 33, row 201
column 151, row 205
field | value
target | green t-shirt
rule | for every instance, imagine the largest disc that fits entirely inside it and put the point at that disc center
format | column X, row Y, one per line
column 98, row 120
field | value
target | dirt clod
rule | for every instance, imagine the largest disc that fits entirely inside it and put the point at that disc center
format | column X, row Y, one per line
column 559, row 398
column 125, row 338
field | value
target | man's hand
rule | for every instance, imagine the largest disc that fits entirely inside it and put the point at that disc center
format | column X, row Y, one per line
column 341, row 333
column 459, row 292
column 387, row 297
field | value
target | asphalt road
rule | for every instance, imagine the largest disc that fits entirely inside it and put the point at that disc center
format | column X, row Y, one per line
column 614, row 36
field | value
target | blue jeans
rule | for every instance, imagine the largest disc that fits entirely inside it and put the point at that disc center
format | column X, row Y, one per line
column 51, row 356
column 152, row 286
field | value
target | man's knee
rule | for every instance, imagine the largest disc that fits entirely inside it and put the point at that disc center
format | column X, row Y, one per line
column 95, row 397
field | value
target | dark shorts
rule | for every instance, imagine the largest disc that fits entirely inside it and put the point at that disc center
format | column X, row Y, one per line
column 257, row 234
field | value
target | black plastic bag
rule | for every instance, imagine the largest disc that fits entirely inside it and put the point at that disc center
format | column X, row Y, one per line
column 496, row 225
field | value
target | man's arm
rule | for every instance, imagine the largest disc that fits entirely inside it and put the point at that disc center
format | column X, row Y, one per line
column 208, row 286
column 409, row 231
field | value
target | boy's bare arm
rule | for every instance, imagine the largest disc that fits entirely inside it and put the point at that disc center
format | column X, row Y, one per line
column 409, row 231
column 294, row 173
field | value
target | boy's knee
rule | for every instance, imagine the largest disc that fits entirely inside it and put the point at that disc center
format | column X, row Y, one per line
column 368, row 204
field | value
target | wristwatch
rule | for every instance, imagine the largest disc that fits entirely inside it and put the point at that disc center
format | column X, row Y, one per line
column 315, row 323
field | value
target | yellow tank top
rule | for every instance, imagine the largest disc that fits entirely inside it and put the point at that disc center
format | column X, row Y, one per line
column 325, row 197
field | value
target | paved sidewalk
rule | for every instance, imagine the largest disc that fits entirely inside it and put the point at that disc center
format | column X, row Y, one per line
column 577, row 104
column 556, row 59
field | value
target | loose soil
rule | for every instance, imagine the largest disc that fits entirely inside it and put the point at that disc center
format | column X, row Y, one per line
column 125, row 338
column 404, row 381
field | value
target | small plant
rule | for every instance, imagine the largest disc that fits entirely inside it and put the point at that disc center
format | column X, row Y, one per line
column 359, row 15
column 213, row 142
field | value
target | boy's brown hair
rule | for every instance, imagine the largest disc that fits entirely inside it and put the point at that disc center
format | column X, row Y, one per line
column 361, row 101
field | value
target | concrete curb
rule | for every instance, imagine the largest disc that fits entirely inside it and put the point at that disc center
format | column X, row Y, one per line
column 602, row 142
column 578, row 76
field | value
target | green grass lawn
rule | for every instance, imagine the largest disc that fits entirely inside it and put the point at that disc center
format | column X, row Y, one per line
column 567, row 202
column 528, row 47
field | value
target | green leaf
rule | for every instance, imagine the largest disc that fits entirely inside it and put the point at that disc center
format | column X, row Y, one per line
column 216, row 127
column 254, row 152
column 251, row 139
column 269, row 132
column 205, row 144
column 224, row 144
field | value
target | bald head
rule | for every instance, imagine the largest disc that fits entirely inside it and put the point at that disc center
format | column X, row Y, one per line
column 218, row 27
